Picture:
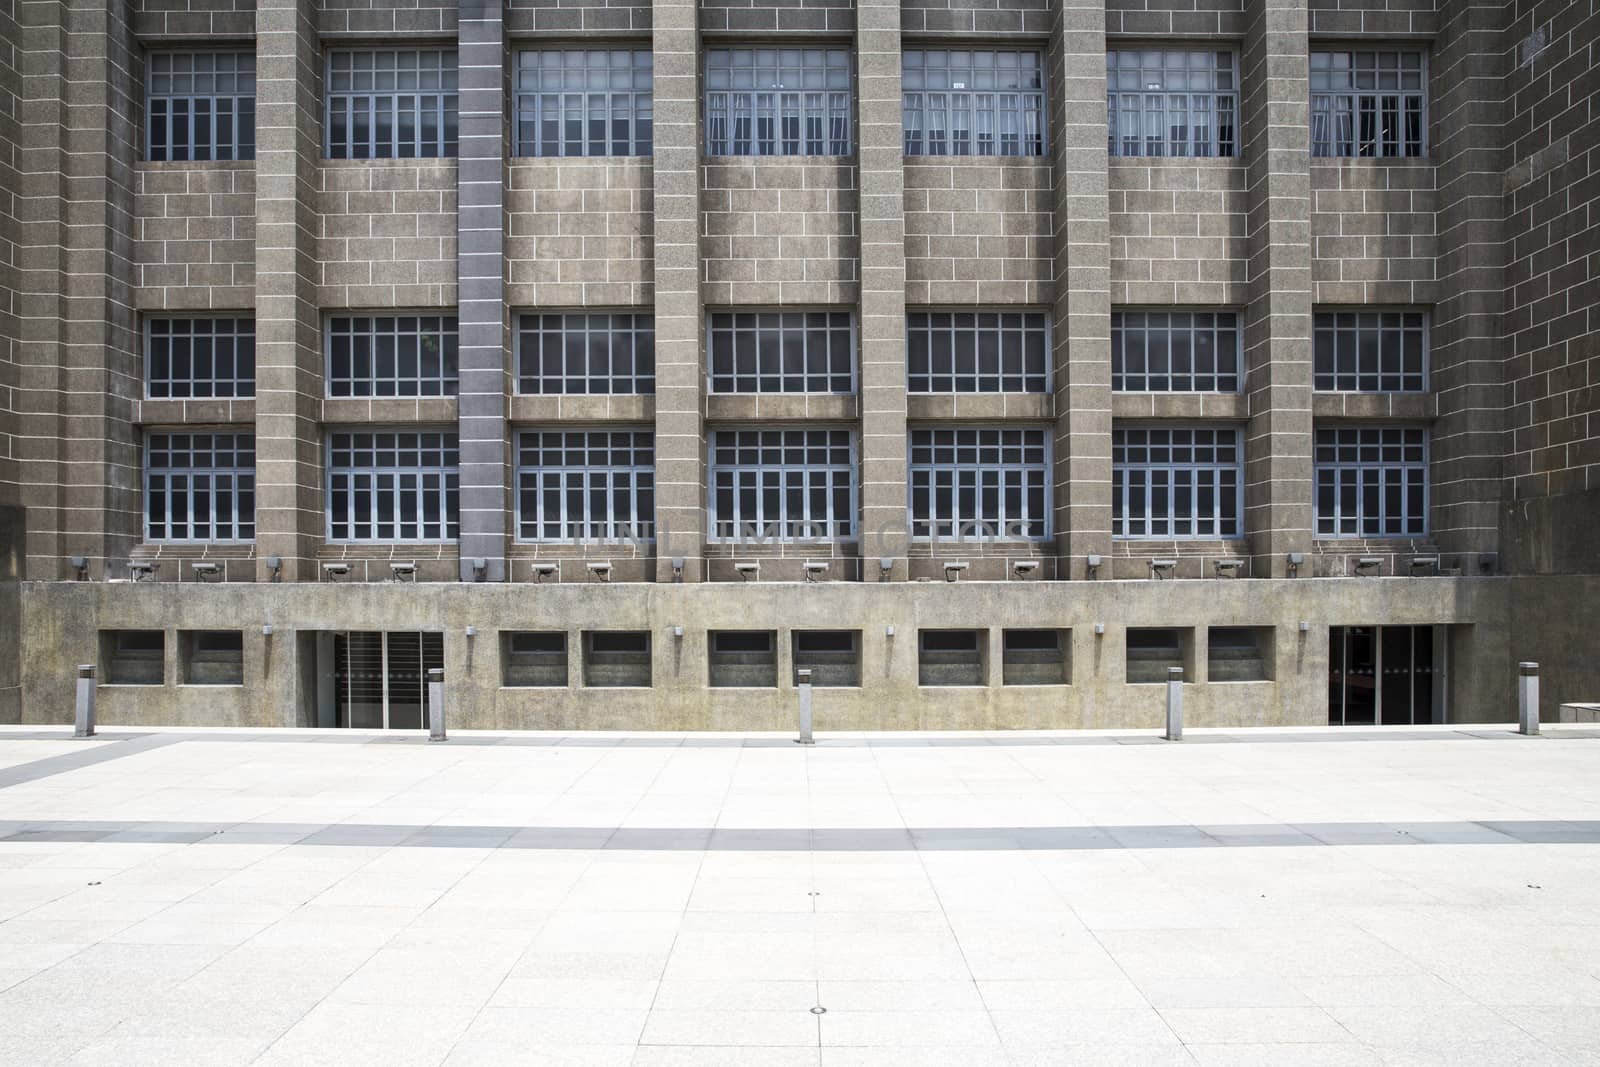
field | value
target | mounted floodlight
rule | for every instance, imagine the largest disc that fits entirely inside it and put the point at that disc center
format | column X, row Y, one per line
column 953, row 569
column 1024, row 567
column 815, row 567
column 1422, row 563
column 403, row 571
column 601, row 570
column 205, row 570
column 1368, row 563
column 541, row 571
column 141, row 570
column 750, row 570
column 334, row 570
column 1231, row 567
column 1162, row 568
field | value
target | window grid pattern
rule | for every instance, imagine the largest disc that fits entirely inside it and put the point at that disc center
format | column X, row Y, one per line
column 200, row 106
column 988, row 102
column 584, row 102
column 1175, row 351
column 393, row 485
column 1176, row 483
column 778, row 102
column 1372, row 481
column 977, row 352
column 200, row 358
column 1368, row 103
column 586, row 485
column 1171, row 103
column 1371, row 351
column 200, row 487
column 782, row 352
column 391, row 104
column 787, row 485
column 586, row 354
column 980, row 483
column 393, row 355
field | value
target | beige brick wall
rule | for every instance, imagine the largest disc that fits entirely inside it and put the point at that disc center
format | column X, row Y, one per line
column 194, row 233
column 779, row 231
column 388, row 233
column 567, row 16
column 580, row 233
column 1178, row 231
column 1372, row 226
column 978, row 231
column 194, row 20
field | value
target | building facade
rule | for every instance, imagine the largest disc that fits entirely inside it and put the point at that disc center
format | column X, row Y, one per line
column 626, row 358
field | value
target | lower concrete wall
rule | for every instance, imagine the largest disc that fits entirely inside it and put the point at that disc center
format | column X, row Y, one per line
column 12, row 538
column 61, row 621
column 1557, row 623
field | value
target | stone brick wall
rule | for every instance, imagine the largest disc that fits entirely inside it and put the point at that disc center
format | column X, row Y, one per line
column 195, row 227
column 572, row 16
column 1377, row 18
column 966, row 16
column 387, row 17
column 579, row 233
column 1178, row 231
column 1372, row 232
column 978, row 231
column 766, row 16
column 194, row 20
column 779, row 231
column 388, row 236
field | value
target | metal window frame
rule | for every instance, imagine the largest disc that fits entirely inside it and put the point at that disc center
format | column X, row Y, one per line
column 855, row 350
column 643, row 319
column 1118, row 323
column 524, row 98
column 1045, row 467
column 1380, row 309
column 148, row 333
column 1121, row 495
column 237, row 473
column 1318, row 467
column 725, row 147
column 1114, row 136
column 447, row 144
column 1048, row 330
column 1336, row 47
column 762, row 522
column 915, row 116
column 238, row 146
column 568, row 537
column 445, row 318
column 446, row 519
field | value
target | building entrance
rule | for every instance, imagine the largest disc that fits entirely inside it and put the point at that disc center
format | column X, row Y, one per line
column 1388, row 675
column 380, row 679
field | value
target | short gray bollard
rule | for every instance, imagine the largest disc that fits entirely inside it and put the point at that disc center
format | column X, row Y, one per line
column 804, row 677
column 84, row 723
column 1528, row 698
column 1174, row 703
column 436, row 705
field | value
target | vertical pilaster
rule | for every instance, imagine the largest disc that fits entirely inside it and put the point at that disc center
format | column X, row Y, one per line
column 1277, row 144
column 480, row 272
column 680, row 400
column 883, row 288
column 1081, row 308
column 289, row 382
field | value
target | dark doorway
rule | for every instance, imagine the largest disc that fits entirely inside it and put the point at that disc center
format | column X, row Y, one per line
column 381, row 679
column 1382, row 674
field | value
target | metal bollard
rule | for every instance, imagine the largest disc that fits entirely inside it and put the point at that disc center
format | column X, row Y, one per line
column 1174, row 703
column 84, row 723
column 804, row 677
column 1528, row 698
column 436, row 705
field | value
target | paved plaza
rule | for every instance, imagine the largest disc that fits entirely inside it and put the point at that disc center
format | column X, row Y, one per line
column 1411, row 896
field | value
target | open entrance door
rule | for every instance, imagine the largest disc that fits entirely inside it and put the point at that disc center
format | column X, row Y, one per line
column 380, row 679
column 1388, row 675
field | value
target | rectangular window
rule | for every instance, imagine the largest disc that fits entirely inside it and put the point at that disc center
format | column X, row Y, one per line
column 200, row 487
column 1368, row 103
column 586, row 354
column 783, row 485
column 616, row 659
column 781, row 352
column 980, row 483
column 1176, row 482
column 391, row 104
column 585, row 485
column 393, row 485
column 134, row 657
column 211, row 657
column 1371, row 351
column 983, row 102
column 584, row 102
column 1175, row 351
column 200, row 106
column 533, row 659
column 977, row 352
column 778, row 102
column 392, row 355
column 200, row 358
column 1179, row 102
column 1372, row 481
column 950, row 657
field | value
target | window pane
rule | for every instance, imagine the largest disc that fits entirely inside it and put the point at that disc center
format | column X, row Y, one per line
column 200, row 487
column 393, row 485
column 778, row 102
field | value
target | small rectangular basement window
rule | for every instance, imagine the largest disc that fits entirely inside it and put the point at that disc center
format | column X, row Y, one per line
column 1152, row 651
column 1035, row 657
column 133, row 657
column 832, row 656
column 616, row 659
column 744, row 658
column 211, row 657
column 533, row 660
column 950, row 657
column 1238, row 654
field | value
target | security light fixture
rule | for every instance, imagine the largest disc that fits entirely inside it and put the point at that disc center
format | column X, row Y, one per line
column 202, row 571
column 1162, row 568
column 266, row 629
column 1024, row 567
column 1305, row 627
column 334, row 570
column 1368, row 563
column 888, row 631
column 1099, row 629
column 953, row 569
column 1295, row 561
column 750, row 570
column 677, row 568
column 541, row 571
column 1091, row 564
column 472, row 631
column 677, row 631
column 480, row 568
column 885, row 567
column 1423, row 563
column 601, row 570
column 141, row 570
column 815, row 567
column 274, row 565
column 1231, row 567
column 80, row 564
column 403, row 571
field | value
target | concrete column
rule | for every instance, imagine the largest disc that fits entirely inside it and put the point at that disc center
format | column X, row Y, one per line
column 1276, row 107
column 1081, row 311
column 680, row 317
column 883, row 289
column 480, row 273
column 289, row 382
